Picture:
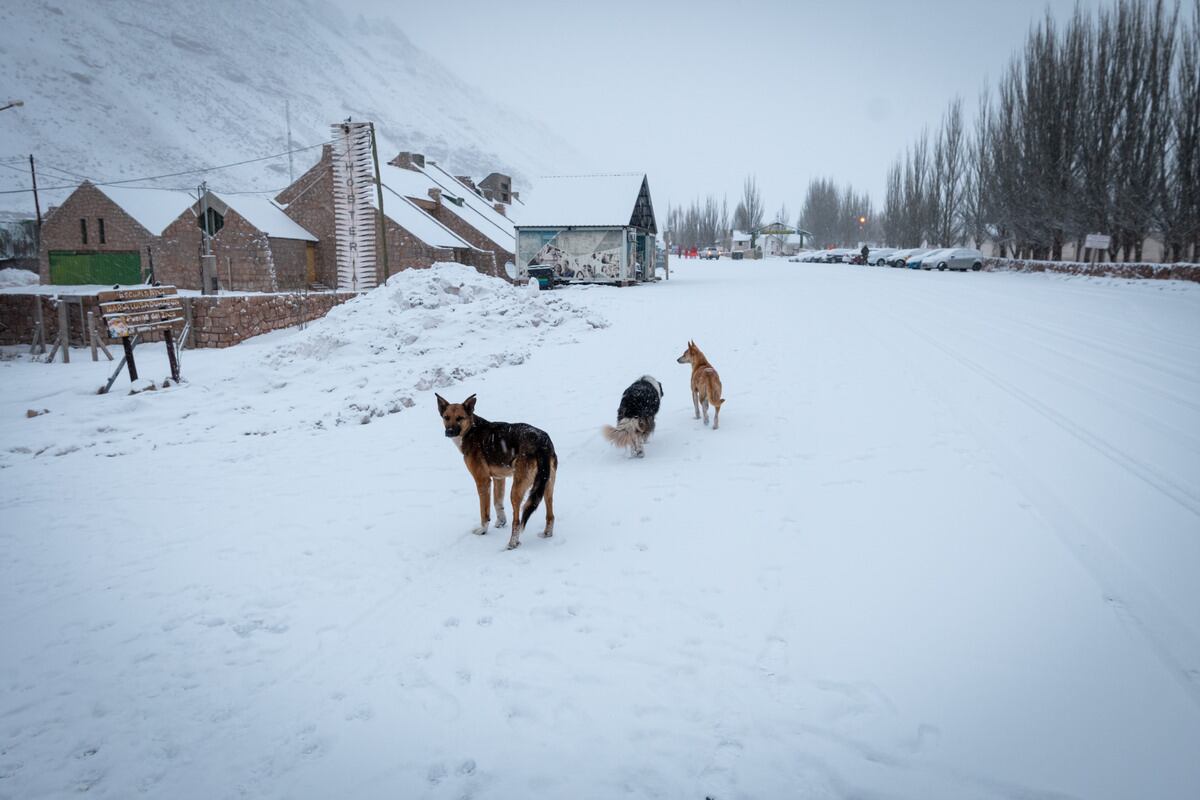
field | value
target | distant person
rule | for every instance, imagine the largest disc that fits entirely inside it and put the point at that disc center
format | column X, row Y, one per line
column 866, row 253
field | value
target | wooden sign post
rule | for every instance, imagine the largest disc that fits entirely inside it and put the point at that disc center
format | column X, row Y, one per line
column 130, row 312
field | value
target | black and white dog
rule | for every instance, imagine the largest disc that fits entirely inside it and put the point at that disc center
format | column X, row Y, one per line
column 635, row 415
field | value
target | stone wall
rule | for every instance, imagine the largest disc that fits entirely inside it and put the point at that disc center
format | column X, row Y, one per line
column 1111, row 269
column 61, row 229
column 217, row 320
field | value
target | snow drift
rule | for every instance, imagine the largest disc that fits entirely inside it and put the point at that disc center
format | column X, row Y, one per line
column 10, row 277
column 426, row 328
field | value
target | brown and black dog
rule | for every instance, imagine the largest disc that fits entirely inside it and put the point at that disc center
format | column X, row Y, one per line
column 706, row 383
column 495, row 451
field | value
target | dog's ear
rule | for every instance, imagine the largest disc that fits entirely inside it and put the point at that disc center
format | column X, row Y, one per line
column 469, row 404
column 441, row 403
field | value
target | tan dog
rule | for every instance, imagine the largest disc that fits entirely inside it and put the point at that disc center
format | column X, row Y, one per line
column 706, row 383
column 494, row 451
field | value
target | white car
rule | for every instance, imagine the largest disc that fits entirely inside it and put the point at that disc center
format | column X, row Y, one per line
column 956, row 258
column 900, row 257
column 930, row 259
column 879, row 257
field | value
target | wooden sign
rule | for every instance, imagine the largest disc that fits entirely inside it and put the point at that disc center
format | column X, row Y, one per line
column 133, row 311
column 1097, row 241
column 130, row 311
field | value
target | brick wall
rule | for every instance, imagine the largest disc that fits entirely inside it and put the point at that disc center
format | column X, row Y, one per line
column 61, row 229
column 217, row 321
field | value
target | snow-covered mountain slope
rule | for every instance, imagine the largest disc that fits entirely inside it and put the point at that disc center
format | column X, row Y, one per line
column 126, row 88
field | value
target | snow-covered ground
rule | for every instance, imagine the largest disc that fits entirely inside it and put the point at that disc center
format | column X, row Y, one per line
column 944, row 545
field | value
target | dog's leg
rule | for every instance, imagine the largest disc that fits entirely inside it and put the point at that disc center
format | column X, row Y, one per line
column 704, row 405
column 523, row 471
column 716, row 415
column 696, row 402
column 550, row 500
column 482, row 484
column 498, row 501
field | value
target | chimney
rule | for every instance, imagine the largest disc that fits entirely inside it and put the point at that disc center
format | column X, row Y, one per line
column 406, row 160
column 500, row 207
column 436, row 195
column 466, row 180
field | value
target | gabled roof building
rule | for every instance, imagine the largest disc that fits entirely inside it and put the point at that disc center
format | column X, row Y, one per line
column 589, row 229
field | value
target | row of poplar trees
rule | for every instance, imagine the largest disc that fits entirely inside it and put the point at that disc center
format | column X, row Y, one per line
column 708, row 221
column 1093, row 128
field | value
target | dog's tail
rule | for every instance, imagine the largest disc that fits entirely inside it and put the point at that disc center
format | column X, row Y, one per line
column 540, row 479
column 626, row 434
column 719, row 403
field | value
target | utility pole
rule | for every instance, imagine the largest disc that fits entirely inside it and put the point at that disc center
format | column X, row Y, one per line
column 208, row 262
column 287, row 111
column 387, row 270
column 36, row 205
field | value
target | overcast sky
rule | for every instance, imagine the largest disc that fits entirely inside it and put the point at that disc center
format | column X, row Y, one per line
column 700, row 94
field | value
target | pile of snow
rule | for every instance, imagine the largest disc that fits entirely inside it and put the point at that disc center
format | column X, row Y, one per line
column 10, row 277
column 425, row 329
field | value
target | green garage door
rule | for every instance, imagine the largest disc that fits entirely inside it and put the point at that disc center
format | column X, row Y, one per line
column 70, row 267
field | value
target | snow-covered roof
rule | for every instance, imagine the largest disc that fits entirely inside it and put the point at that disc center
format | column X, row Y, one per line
column 154, row 209
column 476, row 211
column 582, row 200
column 412, row 218
column 267, row 217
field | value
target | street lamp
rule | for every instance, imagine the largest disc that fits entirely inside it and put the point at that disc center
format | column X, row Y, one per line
column 12, row 104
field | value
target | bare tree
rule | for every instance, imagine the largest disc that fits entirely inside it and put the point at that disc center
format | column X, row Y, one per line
column 949, row 167
column 1180, row 192
column 751, row 204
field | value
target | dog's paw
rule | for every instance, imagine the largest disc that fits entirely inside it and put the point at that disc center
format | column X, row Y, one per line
column 546, row 534
column 513, row 544
column 501, row 523
column 480, row 531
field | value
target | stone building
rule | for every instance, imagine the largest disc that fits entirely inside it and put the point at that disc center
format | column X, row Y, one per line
column 258, row 247
column 106, row 234
column 497, row 187
column 415, row 236
column 452, row 201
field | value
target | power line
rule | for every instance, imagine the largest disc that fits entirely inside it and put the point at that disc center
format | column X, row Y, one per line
column 178, row 174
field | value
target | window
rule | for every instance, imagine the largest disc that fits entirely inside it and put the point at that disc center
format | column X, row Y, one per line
column 216, row 221
column 102, row 230
column 83, row 230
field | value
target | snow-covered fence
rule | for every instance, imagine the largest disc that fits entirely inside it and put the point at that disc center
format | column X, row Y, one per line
column 1111, row 269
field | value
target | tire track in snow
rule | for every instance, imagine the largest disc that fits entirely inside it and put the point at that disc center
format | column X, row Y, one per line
column 1139, row 605
column 1125, row 408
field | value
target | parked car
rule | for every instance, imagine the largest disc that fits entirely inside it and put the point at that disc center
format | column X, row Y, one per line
column 898, row 258
column 956, row 258
column 879, row 258
column 712, row 252
column 840, row 255
column 929, row 260
column 915, row 260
